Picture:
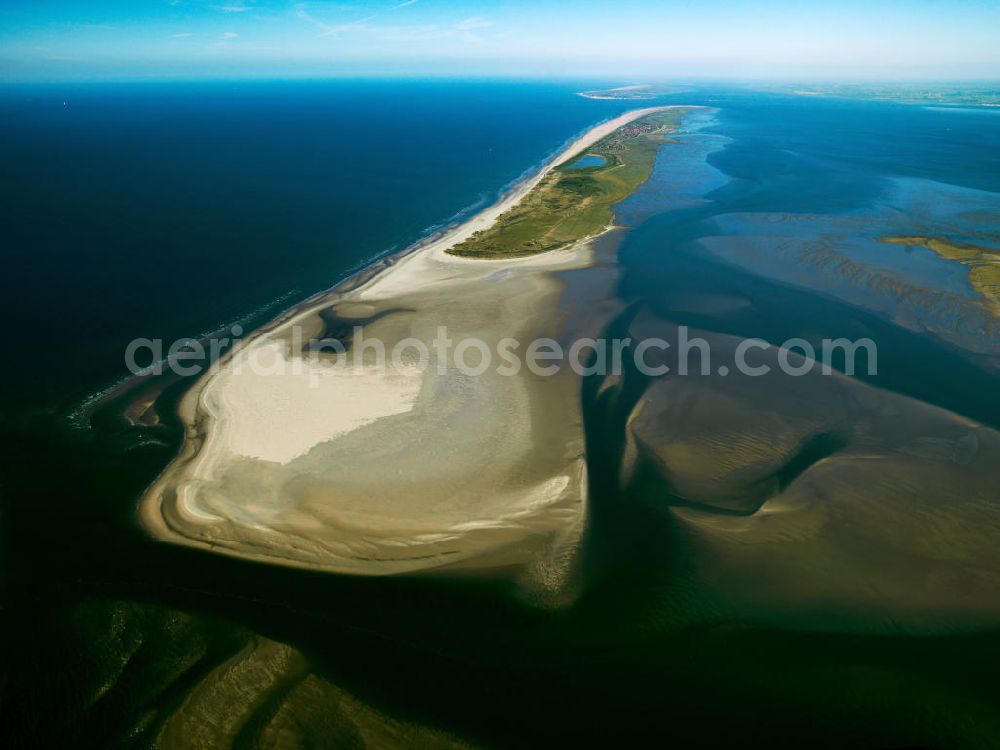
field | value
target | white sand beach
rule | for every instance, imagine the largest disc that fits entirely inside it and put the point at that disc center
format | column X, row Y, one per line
column 379, row 471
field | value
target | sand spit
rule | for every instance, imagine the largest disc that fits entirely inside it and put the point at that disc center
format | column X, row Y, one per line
column 379, row 471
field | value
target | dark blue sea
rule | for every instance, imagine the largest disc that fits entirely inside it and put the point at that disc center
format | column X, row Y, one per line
column 172, row 210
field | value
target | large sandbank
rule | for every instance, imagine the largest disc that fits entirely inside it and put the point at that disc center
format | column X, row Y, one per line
column 399, row 469
column 783, row 498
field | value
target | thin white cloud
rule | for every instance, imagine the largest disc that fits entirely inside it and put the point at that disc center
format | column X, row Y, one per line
column 222, row 41
column 333, row 29
column 463, row 30
column 184, row 35
column 469, row 24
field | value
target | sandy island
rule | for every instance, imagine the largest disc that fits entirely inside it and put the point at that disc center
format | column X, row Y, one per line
column 775, row 497
column 395, row 470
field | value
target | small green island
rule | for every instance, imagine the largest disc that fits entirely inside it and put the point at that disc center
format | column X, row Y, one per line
column 983, row 264
column 574, row 201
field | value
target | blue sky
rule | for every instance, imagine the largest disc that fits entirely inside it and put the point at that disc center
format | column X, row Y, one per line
column 75, row 39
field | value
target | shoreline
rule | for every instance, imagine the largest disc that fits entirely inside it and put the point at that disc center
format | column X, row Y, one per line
column 436, row 243
column 383, row 261
column 523, row 510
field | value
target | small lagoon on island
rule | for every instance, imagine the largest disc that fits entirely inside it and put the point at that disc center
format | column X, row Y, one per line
column 588, row 160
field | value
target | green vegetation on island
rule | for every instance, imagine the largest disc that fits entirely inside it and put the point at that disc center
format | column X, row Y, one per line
column 983, row 263
column 573, row 202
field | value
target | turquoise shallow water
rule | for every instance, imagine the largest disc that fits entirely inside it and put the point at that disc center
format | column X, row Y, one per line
column 783, row 201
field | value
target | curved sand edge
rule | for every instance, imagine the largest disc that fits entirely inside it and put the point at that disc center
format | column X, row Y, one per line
column 411, row 258
column 524, row 508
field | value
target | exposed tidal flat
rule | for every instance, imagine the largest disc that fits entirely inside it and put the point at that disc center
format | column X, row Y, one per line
column 950, row 294
column 791, row 561
column 377, row 472
column 390, row 471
